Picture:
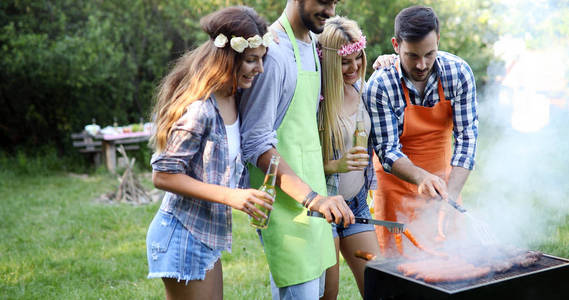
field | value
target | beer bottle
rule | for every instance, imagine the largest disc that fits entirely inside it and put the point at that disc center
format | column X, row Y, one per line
column 269, row 188
column 360, row 135
column 371, row 202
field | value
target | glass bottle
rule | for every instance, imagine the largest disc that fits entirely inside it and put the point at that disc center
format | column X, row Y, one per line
column 360, row 135
column 269, row 188
column 371, row 203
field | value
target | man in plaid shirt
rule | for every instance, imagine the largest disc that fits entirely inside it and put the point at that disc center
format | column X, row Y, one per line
column 415, row 106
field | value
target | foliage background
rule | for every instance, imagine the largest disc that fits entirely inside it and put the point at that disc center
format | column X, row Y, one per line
column 66, row 62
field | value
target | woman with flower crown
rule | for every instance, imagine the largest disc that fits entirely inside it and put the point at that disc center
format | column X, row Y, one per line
column 197, row 158
column 348, row 167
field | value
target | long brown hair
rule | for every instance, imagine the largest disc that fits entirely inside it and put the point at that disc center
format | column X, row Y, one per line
column 338, row 31
column 204, row 70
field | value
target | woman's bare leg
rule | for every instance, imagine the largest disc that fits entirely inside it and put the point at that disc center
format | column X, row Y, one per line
column 209, row 288
column 332, row 277
column 365, row 241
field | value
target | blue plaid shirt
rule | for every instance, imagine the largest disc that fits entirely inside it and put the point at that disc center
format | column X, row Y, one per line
column 197, row 147
column 386, row 104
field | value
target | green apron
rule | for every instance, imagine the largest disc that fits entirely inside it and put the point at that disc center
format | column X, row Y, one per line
column 298, row 248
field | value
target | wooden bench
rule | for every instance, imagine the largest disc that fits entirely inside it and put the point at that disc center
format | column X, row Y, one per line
column 107, row 146
column 86, row 143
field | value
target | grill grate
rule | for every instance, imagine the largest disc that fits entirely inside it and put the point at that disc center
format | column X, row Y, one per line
column 544, row 262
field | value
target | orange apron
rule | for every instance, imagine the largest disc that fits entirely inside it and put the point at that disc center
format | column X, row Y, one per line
column 426, row 140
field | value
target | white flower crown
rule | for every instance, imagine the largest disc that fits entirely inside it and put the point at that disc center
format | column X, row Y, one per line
column 239, row 44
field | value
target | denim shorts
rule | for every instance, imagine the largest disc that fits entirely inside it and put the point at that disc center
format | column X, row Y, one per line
column 359, row 207
column 173, row 252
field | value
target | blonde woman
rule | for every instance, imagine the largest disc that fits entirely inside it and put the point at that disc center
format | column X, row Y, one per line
column 348, row 168
column 198, row 157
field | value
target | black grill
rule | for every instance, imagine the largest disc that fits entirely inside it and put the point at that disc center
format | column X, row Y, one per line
column 546, row 279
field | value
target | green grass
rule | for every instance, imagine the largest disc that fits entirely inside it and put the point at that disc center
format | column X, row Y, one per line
column 57, row 243
column 556, row 244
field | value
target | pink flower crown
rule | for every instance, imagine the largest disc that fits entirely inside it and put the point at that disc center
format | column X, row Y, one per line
column 350, row 48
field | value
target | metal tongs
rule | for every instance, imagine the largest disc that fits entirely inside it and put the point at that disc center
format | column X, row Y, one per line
column 453, row 203
column 392, row 227
column 480, row 227
column 456, row 205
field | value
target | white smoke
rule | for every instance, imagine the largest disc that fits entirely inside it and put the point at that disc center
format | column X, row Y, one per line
column 520, row 186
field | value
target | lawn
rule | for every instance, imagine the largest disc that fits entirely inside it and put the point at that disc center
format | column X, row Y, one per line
column 58, row 243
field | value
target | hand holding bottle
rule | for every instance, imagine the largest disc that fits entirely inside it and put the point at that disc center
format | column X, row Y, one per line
column 360, row 135
column 268, row 188
column 249, row 201
column 355, row 159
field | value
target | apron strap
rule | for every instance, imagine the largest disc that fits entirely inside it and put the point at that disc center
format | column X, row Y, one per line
column 286, row 25
column 441, row 91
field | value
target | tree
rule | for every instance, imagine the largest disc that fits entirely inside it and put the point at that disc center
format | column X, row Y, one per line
column 467, row 28
column 65, row 62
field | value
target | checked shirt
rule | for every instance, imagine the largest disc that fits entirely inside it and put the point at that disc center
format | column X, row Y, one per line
column 385, row 101
column 197, row 146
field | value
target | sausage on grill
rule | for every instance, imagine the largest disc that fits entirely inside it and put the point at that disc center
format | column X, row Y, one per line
column 438, row 270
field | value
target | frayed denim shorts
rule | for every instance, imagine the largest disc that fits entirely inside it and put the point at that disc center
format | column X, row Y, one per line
column 173, row 252
column 359, row 207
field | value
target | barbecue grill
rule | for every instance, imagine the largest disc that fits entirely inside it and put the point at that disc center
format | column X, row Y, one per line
column 546, row 279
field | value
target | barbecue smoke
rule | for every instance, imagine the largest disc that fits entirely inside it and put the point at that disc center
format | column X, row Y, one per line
column 518, row 190
column 519, row 186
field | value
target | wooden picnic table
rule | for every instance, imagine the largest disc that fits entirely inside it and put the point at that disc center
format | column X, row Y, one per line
column 110, row 143
column 107, row 144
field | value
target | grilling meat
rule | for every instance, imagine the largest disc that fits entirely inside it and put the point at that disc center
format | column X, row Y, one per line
column 414, row 241
column 510, row 258
column 364, row 255
column 461, row 269
column 466, row 272
column 425, row 266
column 502, row 266
column 526, row 259
column 441, row 270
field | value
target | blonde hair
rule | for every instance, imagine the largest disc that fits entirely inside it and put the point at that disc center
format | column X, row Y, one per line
column 338, row 31
column 200, row 72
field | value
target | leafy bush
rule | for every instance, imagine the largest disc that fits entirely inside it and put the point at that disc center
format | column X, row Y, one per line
column 41, row 161
column 468, row 28
column 65, row 62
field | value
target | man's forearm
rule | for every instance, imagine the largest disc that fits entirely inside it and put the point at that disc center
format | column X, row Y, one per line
column 334, row 208
column 287, row 179
column 406, row 170
column 457, row 179
column 428, row 184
